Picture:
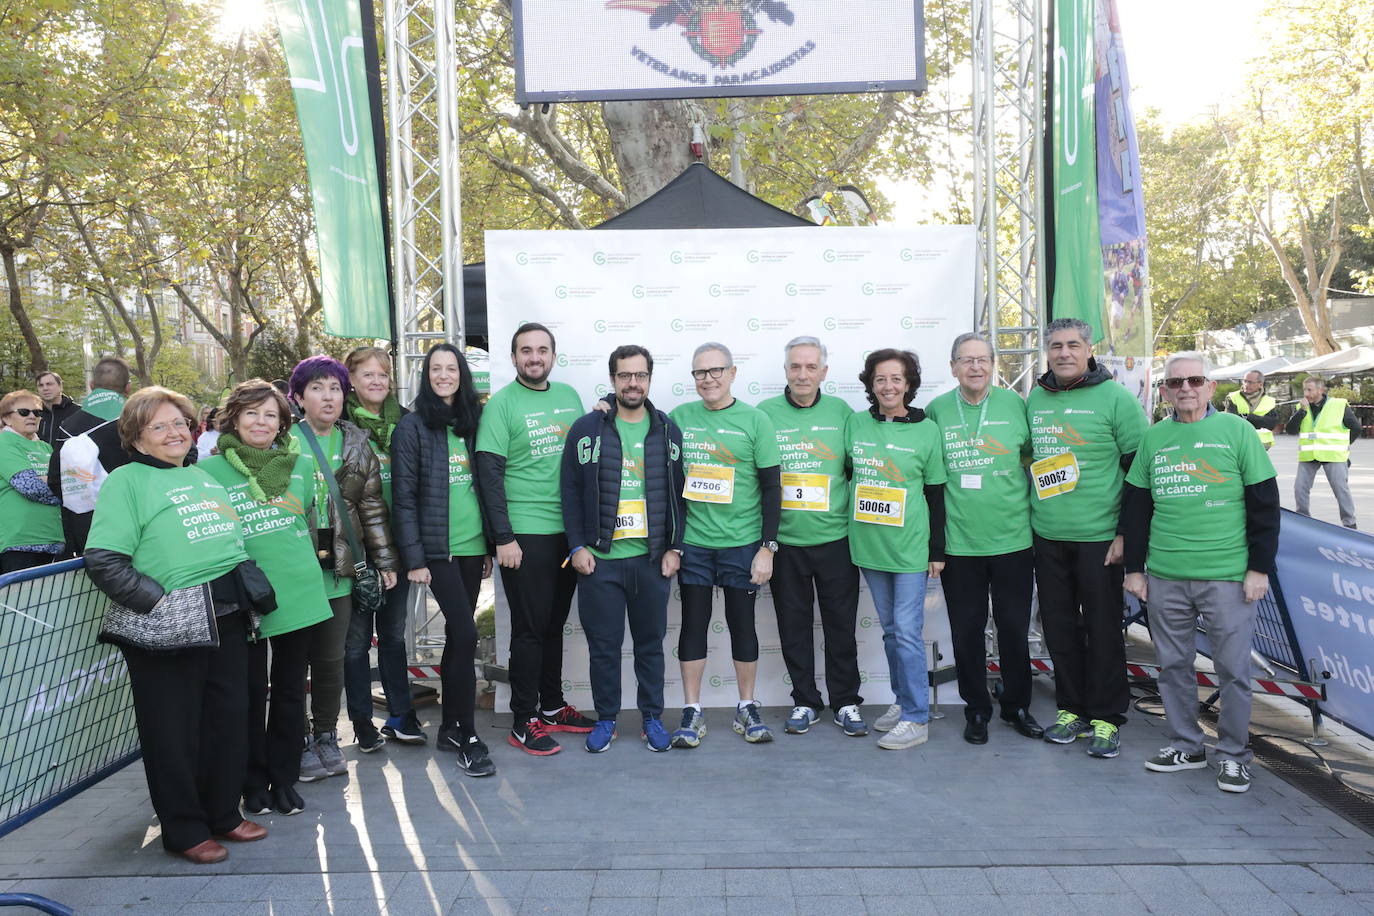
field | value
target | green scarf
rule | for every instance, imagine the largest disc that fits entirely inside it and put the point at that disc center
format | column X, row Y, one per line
column 378, row 428
column 268, row 469
column 103, row 403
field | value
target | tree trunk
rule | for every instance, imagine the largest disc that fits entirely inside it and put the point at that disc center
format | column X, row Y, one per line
column 38, row 361
column 651, row 142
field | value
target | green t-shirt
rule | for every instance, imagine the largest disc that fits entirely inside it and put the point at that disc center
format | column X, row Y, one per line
column 23, row 522
column 722, row 451
column 987, row 497
column 175, row 523
column 1077, row 495
column 277, row 537
column 815, row 476
column 527, row 428
column 332, row 445
column 465, row 538
column 1197, row 474
column 631, row 518
column 103, row 403
column 889, row 522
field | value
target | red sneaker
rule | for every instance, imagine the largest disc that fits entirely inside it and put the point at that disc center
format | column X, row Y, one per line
column 533, row 738
column 567, row 719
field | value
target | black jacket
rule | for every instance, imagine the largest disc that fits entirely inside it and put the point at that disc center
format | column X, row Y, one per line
column 591, row 481
column 77, row 526
column 53, row 417
column 419, row 491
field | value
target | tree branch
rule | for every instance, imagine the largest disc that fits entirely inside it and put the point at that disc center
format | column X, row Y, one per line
column 565, row 211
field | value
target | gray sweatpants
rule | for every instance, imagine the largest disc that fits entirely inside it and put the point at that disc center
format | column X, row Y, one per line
column 1175, row 609
column 1338, row 475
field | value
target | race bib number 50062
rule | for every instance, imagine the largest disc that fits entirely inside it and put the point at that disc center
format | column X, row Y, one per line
column 1055, row 475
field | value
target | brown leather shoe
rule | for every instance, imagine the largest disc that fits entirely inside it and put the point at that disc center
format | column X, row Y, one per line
column 206, row 853
column 246, row 832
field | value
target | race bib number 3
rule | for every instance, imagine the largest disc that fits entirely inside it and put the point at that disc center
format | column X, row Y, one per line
column 707, row 483
column 806, row 492
column 629, row 520
column 880, row 505
column 1055, row 475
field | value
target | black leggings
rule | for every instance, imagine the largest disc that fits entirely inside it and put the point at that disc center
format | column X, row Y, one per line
column 696, row 619
column 456, row 583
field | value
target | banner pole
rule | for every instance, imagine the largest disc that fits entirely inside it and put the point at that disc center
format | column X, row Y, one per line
column 450, row 194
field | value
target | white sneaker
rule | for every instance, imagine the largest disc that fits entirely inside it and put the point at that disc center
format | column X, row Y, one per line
column 903, row 735
column 888, row 720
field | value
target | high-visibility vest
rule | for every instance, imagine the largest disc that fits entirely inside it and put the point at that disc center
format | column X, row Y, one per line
column 1266, row 404
column 1327, row 439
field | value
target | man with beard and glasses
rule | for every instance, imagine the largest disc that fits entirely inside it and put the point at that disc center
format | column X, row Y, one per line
column 519, row 447
column 624, row 513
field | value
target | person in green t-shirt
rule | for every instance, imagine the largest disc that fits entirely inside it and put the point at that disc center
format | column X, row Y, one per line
column 897, row 529
column 622, row 485
column 30, row 522
column 1085, row 428
column 813, row 561
column 442, row 536
column 1201, row 516
column 987, row 536
column 519, row 447
column 734, row 494
column 270, row 490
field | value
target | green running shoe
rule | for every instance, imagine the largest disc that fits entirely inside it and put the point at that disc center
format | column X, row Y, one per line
column 1106, row 740
column 1067, row 726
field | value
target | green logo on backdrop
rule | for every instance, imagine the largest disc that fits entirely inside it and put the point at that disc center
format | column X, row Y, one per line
column 908, row 255
column 637, row 291
column 714, row 289
column 790, row 289
column 679, row 388
column 602, row 390
column 908, row 322
column 599, row 257
column 752, row 257
column 675, row 257
column 677, row 325
column 830, row 387
column 828, row 324
column 755, row 388
column 522, row 257
column 561, row 292
column 829, row 255
column 715, row 680
column 562, row 359
column 599, row 326
column 867, row 289
column 752, row 324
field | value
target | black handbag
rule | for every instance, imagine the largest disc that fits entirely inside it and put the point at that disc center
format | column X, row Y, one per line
column 368, row 595
column 184, row 618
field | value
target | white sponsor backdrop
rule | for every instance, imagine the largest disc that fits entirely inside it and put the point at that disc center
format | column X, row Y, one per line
column 569, row 50
column 753, row 289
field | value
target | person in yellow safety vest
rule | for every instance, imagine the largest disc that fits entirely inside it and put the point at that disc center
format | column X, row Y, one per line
column 1254, row 406
column 1324, row 443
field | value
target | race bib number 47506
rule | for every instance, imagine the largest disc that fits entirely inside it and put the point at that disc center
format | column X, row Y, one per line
column 707, row 483
column 1055, row 475
column 880, row 505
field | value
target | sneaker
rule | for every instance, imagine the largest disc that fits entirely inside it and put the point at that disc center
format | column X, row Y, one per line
column 1233, row 777
column 1106, row 740
column 655, row 735
column 1066, row 728
column 327, row 746
column 903, row 735
column 533, row 738
column 750, row 725
column 449, row 739
column 849, row 719
column 888, row 720
column 286, row 800
column 801, row 720
column 692, row 729
column 474, row 759
column 259, row 801
column 1170, row 760
column 369, row 739
column 602, row 734
column 312, row 767
column 567, row 719
column 405, row 729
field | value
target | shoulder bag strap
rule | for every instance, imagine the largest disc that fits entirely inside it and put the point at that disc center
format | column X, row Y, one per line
column 359, row 558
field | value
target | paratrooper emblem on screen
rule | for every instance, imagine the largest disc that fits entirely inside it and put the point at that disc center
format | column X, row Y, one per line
column 721, row 32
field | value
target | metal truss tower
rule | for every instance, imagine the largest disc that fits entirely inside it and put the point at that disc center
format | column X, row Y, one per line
column 426, row 240
column 1008, row 134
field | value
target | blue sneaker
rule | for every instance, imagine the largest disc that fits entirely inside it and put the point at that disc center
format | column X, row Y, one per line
column 801, row 720
column 749, row 724
column 655, row 735
column 851, row 722
column 692, row 729
column 602, row 734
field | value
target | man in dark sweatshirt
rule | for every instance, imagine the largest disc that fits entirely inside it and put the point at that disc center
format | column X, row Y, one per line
column 77, row 482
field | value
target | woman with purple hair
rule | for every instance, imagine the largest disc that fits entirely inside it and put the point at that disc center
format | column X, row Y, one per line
column 319, row 385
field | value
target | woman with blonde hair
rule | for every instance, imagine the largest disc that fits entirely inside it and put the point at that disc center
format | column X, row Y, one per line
column 30, row 520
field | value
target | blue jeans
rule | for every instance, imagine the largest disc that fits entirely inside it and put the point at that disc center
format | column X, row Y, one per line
column 391, row 656
column 901, row 602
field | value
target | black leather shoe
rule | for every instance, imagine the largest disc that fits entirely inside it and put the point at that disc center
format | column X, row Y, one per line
column 976, row 729
column 1025, row 723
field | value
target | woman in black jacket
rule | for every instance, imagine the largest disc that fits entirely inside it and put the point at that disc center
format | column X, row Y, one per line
column 441, row 533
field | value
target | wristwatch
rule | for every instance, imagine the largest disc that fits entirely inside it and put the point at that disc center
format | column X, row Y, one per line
column 771, row 545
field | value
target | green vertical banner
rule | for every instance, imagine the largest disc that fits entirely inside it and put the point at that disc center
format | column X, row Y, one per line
column 1077, row 241
column 323, row 41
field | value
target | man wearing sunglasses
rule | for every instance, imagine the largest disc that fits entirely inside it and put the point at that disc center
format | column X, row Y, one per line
column 1201, row 516
column 1326, row 428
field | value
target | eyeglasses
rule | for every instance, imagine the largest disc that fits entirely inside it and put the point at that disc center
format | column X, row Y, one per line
column 1194, row 381
column 162, row 429
column 26, row 411
column 974, row 360
column 632, row 376
column 714, row 372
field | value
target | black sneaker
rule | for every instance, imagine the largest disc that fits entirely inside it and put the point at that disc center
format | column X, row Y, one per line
column 286, row 800
column 369, row 739
column 258, row 801
column 532, row 738
column 448, row 739
column 475, row 760
column 567, row 719
column 405, row 729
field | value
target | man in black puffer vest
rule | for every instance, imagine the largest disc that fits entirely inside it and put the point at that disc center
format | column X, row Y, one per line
column 622, row 483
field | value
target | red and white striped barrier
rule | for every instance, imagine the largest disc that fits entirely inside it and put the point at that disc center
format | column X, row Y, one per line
column 424, row 672
column 1301, row 690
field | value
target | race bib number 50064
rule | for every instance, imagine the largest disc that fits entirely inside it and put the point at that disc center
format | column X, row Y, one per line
column 880, row 505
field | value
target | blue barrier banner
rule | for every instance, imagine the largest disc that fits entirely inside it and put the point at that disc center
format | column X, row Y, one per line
column 66, row 714
column 1326, row 579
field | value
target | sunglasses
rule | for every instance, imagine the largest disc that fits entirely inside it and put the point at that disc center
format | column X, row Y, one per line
column 26, row 411
column 1194, row 381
